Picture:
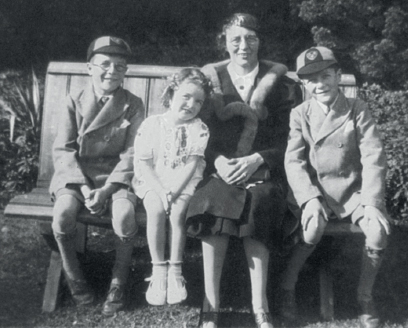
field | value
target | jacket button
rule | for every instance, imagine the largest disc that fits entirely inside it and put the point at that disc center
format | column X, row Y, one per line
column 106, row 138
column 340, row 145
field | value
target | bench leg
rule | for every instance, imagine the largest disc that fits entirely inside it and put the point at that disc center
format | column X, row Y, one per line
column 326, row 292
column 53, row 282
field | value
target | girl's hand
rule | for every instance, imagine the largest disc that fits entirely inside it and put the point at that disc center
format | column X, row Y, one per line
column 166, row 200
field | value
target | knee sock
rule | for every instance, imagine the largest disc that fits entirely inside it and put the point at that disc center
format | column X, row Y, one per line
column 123, row 259
column 300, row 254
column 371, row 262
column 67, row 249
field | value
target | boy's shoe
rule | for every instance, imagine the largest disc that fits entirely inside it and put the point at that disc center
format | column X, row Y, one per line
column 176, row 289
column 81, row 292
column 115, row 301
column 157, row 290
column 288, row 307
column 369, row 316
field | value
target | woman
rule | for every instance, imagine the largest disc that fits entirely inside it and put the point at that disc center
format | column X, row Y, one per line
column 245, row 189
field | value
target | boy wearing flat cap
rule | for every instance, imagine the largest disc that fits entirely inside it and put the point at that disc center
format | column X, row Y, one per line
column 93, row 162
column 336, row 167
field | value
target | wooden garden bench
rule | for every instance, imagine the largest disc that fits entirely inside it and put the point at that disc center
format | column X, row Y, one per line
column 146, row 82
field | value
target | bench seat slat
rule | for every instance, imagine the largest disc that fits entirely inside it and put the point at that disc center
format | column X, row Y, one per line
column 37, row 205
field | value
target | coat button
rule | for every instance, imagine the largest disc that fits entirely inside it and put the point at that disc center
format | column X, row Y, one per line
column 106, row 138
column 340, row 145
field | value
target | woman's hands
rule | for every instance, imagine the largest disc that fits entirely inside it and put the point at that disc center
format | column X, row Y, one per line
column 237, row 170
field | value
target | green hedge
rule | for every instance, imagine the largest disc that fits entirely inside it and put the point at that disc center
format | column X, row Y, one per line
column 21, row 98
column 390, row 109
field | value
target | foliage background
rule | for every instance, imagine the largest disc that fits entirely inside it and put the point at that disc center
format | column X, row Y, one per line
column 369, row 37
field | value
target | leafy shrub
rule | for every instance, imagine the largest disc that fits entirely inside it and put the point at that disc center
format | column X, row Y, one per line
column 20, row 107
column 390, row 109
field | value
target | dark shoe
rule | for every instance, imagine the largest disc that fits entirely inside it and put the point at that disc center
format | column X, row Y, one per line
column 81, row 292
column 369, row 316
column 288, row 308
column 263, row 317
column 115, row 301
column 208, row 317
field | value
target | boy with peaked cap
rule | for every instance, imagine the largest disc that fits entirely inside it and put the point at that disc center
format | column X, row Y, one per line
column 93, row 162
column 336, row 167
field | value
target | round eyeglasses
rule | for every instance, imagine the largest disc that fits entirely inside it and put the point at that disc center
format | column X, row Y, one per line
column 107, row 65
column 250, row 40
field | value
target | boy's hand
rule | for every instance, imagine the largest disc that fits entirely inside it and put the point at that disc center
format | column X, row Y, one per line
column 373, row 213
column 97, row 202
column 85, row 190
column 313, row 209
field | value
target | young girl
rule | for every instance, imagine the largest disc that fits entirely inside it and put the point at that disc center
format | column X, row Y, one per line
column 169, row 163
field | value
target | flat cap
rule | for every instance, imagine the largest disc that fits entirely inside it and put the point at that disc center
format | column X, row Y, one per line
column 109, row 45
column 314, row 60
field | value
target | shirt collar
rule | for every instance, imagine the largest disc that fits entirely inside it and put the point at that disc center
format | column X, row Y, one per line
column 99, row 96
column 247, row 80
column 326, row 108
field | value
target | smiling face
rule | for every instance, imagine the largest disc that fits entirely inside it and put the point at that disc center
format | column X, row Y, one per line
column 105, row 82
column 187, row 101
column 324, row 85
column 242, row 45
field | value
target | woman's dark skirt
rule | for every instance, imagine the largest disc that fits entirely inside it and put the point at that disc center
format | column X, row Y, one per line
column 260, row 212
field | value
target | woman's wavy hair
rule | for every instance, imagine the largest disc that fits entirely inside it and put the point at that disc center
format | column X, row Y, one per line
column 238, row 19
column 192, row 75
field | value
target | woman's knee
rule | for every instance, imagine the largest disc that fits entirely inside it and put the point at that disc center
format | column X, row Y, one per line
column 65, row 212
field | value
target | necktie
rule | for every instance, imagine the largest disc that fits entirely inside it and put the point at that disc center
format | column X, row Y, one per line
column 104, row 100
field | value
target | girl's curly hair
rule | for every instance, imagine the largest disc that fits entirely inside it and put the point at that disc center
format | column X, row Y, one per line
column 192, row 75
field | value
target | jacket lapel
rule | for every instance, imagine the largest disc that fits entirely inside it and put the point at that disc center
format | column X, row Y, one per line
column 336, row 117
column 113, row 109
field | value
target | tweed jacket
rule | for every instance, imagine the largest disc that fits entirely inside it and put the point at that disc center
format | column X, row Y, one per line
column 94, row 147
column 344, row 163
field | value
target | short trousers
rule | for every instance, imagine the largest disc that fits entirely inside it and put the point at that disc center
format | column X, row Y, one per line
column 354, row 217
column 73, row 190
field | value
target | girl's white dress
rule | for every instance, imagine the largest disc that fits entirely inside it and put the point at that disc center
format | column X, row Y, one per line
column 169, row 147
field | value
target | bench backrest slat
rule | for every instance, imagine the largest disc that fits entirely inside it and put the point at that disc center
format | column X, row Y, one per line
column 145, row 81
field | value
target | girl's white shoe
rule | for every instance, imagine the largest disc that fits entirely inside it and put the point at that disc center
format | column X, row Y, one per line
column 176, row 288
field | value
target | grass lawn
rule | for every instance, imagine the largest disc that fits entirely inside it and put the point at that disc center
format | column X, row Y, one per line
column 24, row 259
